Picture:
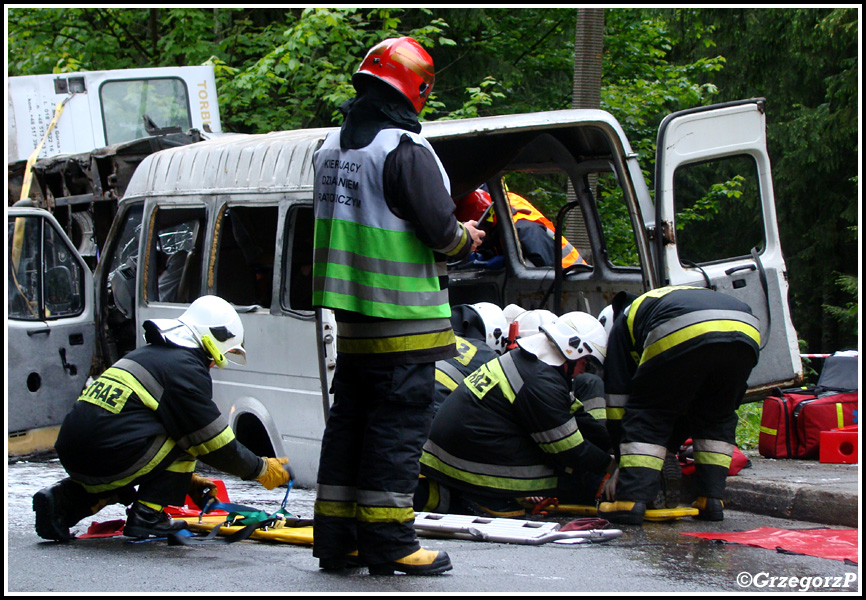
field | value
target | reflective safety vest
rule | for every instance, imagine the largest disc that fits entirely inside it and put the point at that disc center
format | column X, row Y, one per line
column 367, row 259
column 522, row 209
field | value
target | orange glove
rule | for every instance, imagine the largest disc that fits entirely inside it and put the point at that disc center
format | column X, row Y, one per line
column 201, row 489
column 276, row 472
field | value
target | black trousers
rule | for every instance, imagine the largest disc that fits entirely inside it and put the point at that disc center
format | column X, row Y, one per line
column 702, row 388
column 368, row 468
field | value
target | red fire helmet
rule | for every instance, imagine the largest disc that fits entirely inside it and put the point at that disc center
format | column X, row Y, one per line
column 404, row 65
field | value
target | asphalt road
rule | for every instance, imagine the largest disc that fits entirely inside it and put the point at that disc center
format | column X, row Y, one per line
column 654, row 558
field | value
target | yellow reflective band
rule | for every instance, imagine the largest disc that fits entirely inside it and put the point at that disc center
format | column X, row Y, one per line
column 156, row 507
column 215, row 443
column 689, row 333
column 769, row 431
column 380, row 514
column 712, row 458
column 403, row 343
column 182, row 466
column 489, row 481
column 160, row 456
column 615, row 414
column 343, row 510
column 656, row 293
column 575, row 406
column 597, row 413
column 840, row 415
column 446, row 381
column 641, row 460
column 572, row 441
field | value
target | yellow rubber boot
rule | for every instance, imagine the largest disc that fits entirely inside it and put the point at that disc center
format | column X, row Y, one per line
column 623, row 512
column 420, row 562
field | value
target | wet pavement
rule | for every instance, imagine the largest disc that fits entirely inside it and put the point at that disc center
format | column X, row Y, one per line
column 650, row 559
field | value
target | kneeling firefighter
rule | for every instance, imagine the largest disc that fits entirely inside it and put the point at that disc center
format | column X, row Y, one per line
column 512, row 429
column 135, row 433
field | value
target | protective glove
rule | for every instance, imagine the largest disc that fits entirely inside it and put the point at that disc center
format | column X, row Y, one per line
column 607, row 489
column 201, row 489
column 276, row 472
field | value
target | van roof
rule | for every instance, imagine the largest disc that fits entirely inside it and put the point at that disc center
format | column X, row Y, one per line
column 282, row 161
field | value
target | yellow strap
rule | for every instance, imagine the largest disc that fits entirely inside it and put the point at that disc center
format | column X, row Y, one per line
column 840, row 415
column 28, row 170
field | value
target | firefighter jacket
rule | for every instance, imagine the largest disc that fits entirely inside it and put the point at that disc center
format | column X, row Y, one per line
column 510, row 429
column 662, row 325
column 383, row 231
column 154, row 402
column 523, row 210
column 472, row 354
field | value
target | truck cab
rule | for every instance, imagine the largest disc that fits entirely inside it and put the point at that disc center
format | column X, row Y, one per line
column 233, row 217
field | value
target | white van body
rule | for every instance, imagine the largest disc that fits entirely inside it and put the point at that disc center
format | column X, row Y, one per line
column 234, row 215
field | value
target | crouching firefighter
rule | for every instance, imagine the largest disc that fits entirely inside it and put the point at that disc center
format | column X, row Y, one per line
column 676, row 354
column 135, row 433
column 512, row 429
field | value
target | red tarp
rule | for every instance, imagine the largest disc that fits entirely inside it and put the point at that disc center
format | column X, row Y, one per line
column 836, row 544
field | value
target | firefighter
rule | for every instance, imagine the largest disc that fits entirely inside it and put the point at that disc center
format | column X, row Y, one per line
column 384, row 231
column 134, row 435
column 512, row 429
column 674, row 353
column 535, row 232
column 481, row 332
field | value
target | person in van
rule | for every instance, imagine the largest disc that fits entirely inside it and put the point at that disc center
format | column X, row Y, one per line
column 673, row 351
column 134, row 435
column 384, row 230
column 512, row 429
column 535, row 232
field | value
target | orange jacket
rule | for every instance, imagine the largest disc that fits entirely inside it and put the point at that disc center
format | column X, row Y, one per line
column 522, row 209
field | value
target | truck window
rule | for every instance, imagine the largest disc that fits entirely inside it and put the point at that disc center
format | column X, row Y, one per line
column 25, row 282
column 45, row 281
column 246, row 238
column 175, row 255
column 132, row 107
column 718, row 210
column 297, row 289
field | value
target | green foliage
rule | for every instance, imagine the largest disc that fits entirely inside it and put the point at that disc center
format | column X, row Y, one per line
column 748, row 425
column 847, row 315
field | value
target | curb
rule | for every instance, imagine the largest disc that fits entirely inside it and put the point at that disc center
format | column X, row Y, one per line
column 802, row 502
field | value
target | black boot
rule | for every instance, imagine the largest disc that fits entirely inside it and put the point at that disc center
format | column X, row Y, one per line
column 143, row 521
column 62, row 505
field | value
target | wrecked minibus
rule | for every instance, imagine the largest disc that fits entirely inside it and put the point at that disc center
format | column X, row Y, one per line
column 233, row 217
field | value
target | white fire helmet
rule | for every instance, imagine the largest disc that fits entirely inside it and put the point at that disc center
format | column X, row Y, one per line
column 495, row 325
column 209, row 323
column 572, row 336
column 512, row 311
column 530, row 322
column 605, row 317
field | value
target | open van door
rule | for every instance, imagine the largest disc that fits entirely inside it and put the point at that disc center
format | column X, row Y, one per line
column 717, row 227
column 49, row 326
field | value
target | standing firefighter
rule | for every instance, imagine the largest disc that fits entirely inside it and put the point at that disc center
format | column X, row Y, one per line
column 674, row 353
column 144, row 422
column 384, row 229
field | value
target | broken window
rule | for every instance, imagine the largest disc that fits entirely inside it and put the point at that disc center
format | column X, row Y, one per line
column 175, row 255
column 246, row 238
